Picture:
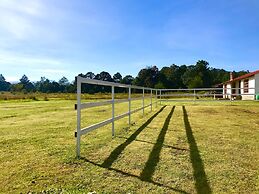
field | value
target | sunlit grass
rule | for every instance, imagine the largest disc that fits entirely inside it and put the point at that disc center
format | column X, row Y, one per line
column 36, row 96
column 219, row 140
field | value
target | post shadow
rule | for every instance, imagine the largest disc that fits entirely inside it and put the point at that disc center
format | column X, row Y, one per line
column 149, row 142
column 153, row 158
column 201, row 183
column 134, row 176
column 118, row 150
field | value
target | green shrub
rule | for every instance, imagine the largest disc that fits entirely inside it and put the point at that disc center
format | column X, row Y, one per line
column 34, row 98
column 239, row 98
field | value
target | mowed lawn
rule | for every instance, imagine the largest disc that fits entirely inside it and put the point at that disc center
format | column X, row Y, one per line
column 176, row 148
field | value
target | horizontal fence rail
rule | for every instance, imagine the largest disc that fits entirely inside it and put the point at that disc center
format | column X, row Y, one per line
column 108, row 102
column 80, row 106
column 214, row 93
column 160, row 95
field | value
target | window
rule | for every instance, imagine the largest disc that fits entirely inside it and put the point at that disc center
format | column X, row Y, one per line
column 246, row 85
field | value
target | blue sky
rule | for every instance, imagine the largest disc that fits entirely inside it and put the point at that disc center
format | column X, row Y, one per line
column 55, row 38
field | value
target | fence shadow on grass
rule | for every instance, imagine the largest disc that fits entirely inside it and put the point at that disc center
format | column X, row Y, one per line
column 118, row 150
column 153, row 158
column 201, row 183
column 148, row 171
column 149, row 142
column 135, row 176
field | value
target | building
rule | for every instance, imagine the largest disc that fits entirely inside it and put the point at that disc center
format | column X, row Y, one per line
column 244, row 87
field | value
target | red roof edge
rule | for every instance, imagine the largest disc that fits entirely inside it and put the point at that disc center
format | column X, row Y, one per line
column 243, row 77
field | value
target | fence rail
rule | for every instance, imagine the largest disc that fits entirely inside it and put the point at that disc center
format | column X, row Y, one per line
column 80, row 106
column 159, row 95
column 215, row 93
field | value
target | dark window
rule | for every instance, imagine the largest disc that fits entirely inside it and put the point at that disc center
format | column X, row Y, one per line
column 246, row 85
column 225, row 89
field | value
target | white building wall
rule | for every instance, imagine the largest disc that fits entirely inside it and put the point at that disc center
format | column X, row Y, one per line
column 229, row 92
column 237, row 86
column 251, row 84
column 257, row 83
column 242, row 86
column 224, row 93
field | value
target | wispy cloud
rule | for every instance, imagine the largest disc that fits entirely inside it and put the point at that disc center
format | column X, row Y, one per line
column 63, row 37
column 11, row 78
column 23, row 6
column 33, row 66
column 26, row 21
column 19, row 60
column 51, row 67
column 17, row 18
column 52, row 71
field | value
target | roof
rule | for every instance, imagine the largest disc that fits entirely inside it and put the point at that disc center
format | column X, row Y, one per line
column 243, row 76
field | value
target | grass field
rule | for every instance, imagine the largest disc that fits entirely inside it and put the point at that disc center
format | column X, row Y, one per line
column 177, row 148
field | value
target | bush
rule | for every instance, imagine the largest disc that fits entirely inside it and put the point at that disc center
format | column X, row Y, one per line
column 33, row 98
column 239, row 98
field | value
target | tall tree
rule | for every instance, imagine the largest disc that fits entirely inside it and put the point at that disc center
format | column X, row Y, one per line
column 2, row 78
column 63, row 81
column 147, row 77
column 170, row 77
column 128, row 79
column 197, row 75
column 104, row 76
column 117, row 77
column 4, row 85
column 26, row 84
column 89, row 75
column 63, row 84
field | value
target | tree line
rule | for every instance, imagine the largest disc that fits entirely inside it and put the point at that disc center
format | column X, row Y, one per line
column 174, row 76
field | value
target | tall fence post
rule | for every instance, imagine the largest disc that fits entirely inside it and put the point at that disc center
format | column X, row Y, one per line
column 156, row 97
column 129, row 105
column 151, row 98
column 78, row 129
column 194, row 94
column 160, row 97
column 143, row 102
column 113, row 132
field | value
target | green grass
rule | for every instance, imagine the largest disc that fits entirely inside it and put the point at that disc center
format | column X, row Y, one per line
column 36, row 96
column 195, row 147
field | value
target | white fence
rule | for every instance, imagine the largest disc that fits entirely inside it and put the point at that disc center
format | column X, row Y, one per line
column 79, row 106
column 206, row 94
column 163, row 94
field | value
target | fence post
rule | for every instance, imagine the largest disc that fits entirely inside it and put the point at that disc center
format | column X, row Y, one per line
column 78, row 130
column 194, row 94
column 113, row 132
column 160, row 96
column 129, row 104
column 151, row 99
column 143, row 102
column 156, row 97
